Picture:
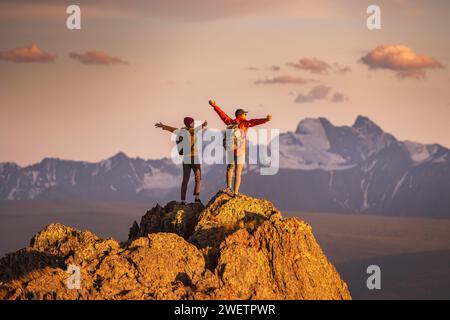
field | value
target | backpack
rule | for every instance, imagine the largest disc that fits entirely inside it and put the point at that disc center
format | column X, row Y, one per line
column 233, row 138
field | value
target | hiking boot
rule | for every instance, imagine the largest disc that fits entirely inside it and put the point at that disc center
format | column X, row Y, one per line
column 228, row 191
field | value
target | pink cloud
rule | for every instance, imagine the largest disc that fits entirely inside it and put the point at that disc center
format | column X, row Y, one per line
column 338, row 97
column 318, row 66
column 32, row 53
column 275, row 68
column 341, row 69
column 313, row 65
column 95, row 57
column 415, row 74
column 284, row 80
column 319, row 92
column 401, row 59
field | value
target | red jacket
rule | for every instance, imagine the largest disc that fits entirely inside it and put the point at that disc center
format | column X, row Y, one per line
column 243, row 124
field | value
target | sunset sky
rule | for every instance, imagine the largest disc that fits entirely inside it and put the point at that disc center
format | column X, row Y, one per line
column 87, row 94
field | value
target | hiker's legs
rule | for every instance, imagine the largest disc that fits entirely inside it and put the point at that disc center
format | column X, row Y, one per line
column 239, row 165
column 230, row 169
column 237, row 177
column 184, row 183
column 198, row 179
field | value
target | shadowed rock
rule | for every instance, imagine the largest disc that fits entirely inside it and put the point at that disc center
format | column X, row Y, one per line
column 174, row 217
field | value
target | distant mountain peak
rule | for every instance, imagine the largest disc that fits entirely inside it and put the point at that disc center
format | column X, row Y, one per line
column 366, row 123
column 312, row 126
column 48, row 161
column 9, row 165
column 119, row 156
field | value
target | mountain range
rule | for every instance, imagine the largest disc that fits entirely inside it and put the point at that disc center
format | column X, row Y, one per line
column 323, row 168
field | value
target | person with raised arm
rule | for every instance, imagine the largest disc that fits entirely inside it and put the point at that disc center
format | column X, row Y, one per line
column 188, row 149
column 235, row 142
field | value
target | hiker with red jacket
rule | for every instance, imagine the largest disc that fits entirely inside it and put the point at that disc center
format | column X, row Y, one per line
column 190, row 155
column 235, row 140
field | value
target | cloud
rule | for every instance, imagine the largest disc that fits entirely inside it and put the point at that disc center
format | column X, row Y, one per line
column 284, row 80
column 95, row 57
column 400, row 59
column 319, row 92
column 32, row 53
column 275, row 68
column 341, row 69
column 318, row 66
column 416, row 74
column 313, row 65
column 338, row 97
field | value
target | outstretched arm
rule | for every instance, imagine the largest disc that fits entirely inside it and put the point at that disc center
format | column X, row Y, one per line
column 225, row 118
column 164, row 127
column 202, row 126
column 256, row 122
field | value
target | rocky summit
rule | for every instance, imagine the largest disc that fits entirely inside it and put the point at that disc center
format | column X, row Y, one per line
column 232, row 248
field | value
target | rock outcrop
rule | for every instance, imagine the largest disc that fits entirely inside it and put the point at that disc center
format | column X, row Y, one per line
column 234, row 248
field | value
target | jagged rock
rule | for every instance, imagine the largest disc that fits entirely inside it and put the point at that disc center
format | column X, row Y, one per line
column 280, row 260
column 224, row 215
column 174, row 217
column 61, row 241
column 139, row 271
column 234, row 248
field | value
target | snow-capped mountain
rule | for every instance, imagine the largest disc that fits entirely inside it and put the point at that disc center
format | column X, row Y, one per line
column 118, row 178
column 326, row 168
column 356, row 169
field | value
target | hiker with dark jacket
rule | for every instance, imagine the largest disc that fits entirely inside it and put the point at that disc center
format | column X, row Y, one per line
column 190, row 158
column 237, row 128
